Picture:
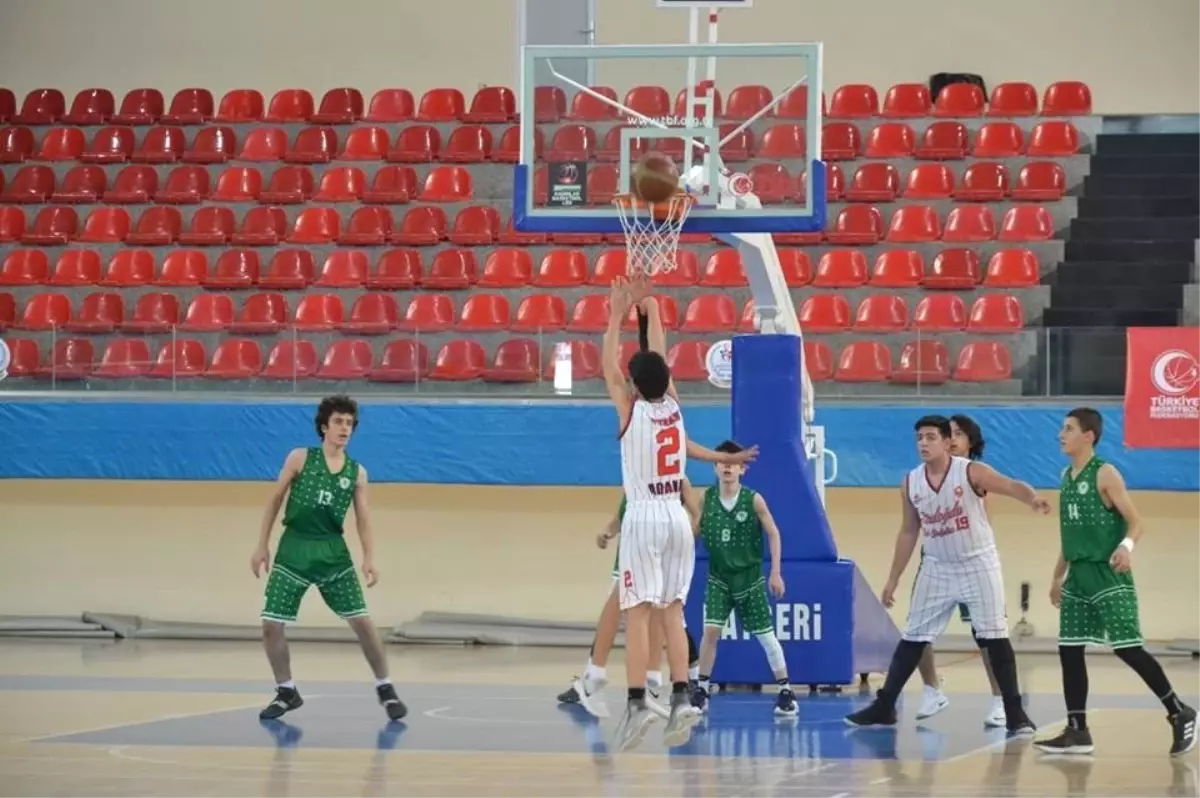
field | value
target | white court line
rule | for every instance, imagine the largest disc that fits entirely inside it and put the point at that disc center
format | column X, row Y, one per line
column 437, row 714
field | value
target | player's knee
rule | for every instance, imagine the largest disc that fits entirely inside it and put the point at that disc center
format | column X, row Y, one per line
column 773, row 650
column 980, row 642
column 711, row 635
column 272, row 630
column 1131, row 654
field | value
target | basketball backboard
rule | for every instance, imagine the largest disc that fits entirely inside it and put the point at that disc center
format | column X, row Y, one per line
column 742, row 122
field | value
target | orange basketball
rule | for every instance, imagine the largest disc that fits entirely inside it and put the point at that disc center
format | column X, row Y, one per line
column 655, row 177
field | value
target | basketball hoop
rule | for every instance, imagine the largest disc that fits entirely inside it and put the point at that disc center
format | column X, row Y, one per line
column 652, row 231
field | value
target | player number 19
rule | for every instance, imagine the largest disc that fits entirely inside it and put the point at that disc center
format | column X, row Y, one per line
column 667, row 443
column 1073, row 512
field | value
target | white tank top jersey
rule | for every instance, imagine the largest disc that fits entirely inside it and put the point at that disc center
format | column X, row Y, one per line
column 654, row 452
column 954, row 521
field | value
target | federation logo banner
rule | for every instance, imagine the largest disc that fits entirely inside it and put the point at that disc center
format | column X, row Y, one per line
column 1162, row 388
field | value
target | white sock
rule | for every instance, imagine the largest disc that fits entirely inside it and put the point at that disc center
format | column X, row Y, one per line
column 594, row 673
column 289, row 684
column 774, row 651
column 654, row 678
column 784, row 685
column 383, row 681
column 693, row 673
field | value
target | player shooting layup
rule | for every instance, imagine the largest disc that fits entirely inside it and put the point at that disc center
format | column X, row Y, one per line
column 942, row 501
column 657, row 552
column 1097, row 600
column 320, row 484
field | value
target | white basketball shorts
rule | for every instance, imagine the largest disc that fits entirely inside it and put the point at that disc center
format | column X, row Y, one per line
column 941, row 586
column 658, row 554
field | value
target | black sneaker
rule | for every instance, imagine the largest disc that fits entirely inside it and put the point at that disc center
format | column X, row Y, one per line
column 391, row 702
column 1183, row 727
column 286, row 699
column 699, row 698
column 877, row 714
column 785, row 704
column 1070, row 741
column 570, row 695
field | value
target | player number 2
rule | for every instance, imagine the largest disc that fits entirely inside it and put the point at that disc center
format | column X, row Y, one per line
column 1073, row 512
column 667, row 442
column 324, row 498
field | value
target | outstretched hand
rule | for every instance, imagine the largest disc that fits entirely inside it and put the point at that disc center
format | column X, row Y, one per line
column 1041, row 506
column 619, row 297
column 639, row 291
column 748, row 455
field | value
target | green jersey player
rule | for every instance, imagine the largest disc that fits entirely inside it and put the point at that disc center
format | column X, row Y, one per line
column 320, row 484
column 1093, row 586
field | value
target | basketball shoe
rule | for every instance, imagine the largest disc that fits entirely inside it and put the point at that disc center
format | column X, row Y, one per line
column 631, row 730
column 286, row 699
column 591, row 695
column 683, row 717
column 1070, row 741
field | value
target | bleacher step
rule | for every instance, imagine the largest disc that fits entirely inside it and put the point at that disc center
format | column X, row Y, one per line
column 1109, row 317
column 1116, row 296
column 1110, row 185
column 1158, row 229
column 1155, row 164
column 1134, row 206
column 1077, row 272
column 1148, row 144
column 1131, row 251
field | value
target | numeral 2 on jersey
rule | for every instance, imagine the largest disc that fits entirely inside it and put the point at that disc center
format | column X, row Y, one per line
column 667, row 444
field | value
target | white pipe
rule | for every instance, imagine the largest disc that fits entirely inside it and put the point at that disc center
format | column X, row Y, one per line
column 764, row 110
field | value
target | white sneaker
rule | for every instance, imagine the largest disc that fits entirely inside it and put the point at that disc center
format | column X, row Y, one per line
column 591, row 696
column 996, row 718
column 933, row 701
column 652, row 703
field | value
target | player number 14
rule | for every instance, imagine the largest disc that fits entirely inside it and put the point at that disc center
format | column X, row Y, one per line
column 1073, row 512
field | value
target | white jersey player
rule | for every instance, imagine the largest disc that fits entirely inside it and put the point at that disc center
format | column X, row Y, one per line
column 657, row 553
column 942, row 505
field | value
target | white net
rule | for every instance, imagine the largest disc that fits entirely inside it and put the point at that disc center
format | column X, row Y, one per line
column 652, row 231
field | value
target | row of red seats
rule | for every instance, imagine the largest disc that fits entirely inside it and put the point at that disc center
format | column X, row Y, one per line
column 498, row 104
column 399, row 269
column 379, row 313
column 517, row 360
column 478, row 225
column 477, row 144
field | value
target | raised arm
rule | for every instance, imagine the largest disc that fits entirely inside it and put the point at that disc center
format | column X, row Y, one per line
column 362, row 522
column 648, row 311
column 1112, row 487
column 986, row 478
column 706, row 455
column 614, row 380
column 292, row 465
column 906, row 541
column 692, row 502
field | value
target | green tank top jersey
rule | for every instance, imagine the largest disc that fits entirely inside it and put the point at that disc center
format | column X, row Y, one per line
column 319, row 500
column 734, row 537
column 1090, row 531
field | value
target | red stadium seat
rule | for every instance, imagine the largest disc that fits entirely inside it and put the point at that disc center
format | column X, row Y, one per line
column 71, row 359
column 1027, row 223
column 627, row 350
column 940, row 313
column 668, row 311
column 391, row 105
column 1013, row 99
column 33, row 184
column 124, row 359
column 24, row 267
column 610, row 148
column 969, row 224
column 740, row 146
column 602, row 186
column 160, row 145
column 590, row 314
column 943, row 141
column 746, row 101
column 1013, row 268
column 264, row 144
column 157, row 226
column 289, row 269
column 424, row 226
column 999, row 140
column 55, row 225
column 485, row 312
column 140, row 107
column 468, row 144
column 1053, row 139
column 898, row 268
column 42, row 107
column 1067, row 98
column 475, row 225
column 854, row 101
column 262, row 315
column 153, row 313
column 611, row 264
column 346, row 360
column 316, row 226
column 710, row 313
column 923, row 362
column 290, row 105
column 340, row 106
column 585, row 361
column 857, row 224
column 12, row 224
column 983, row 361
column 289, row 185
column 238, row 184
column 130, row 267
column 91, row 107
column 954, row 269
column 984, row 181
column 794, row 105
column 402, row 361
column 448, row 184
column 8, row 105
column 451, row 270
column 516, row 360
column 392, row 185
column 208, row 313
column 341, row 184
column 783, row 140
column 841, row 268
column 186, row 185
column 572, row 143
column 864, row 361
column 459, row 360
column 235, row 359
column 914, row 224
column 929, row 181
column 25, row 357
column 366, row 144
column 724, row 270
column 77, row 267
column 61, row 144
column 891, row 140
column 396, row 270
column 133, row 185
column 212, row 145
column 512, row 237
column 796, row 267
column 416, row 144
column 189, row 107
column 586, row 108
column 235, row 268
column 210, row 226
column 996, row 313
column 373, row 314
column 81, row 185
column 313, row 145
column 959, row 99
column 179, row 359
column 703, row 90
column 492, row 105
column 1040, row 181
column 562, row 268
column 540, row 313
column 318, row 312
column 773, row 183
column 508, row 150
column 818, row 361
column 109, row 145
column 441, row 105
column 45, row 312
column 907, row 100
column 821, row 313
column 183, row 268
column 881, row 313
column 686, row 272
column 428, row 313
column 16, row 144
column 687, row 361
column 840, row 141
column 874, row 182
column 344, row 268
column 369, row 226
column 240, row 105
column 651, row 101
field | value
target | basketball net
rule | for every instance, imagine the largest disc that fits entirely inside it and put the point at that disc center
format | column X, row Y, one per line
column 652, row 231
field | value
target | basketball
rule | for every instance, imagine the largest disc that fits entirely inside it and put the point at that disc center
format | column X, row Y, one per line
column 655, row 177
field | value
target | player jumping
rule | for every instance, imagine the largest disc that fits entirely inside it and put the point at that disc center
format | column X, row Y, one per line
column 942, row 501
column 732, row 524
column 320, row 484
column 1093, row 586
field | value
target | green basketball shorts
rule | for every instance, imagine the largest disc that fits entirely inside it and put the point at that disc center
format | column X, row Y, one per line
column 301, row 562
column 1098, row 606
column 745, row 593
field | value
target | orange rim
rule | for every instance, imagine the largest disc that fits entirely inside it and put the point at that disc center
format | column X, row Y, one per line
column 661, row 211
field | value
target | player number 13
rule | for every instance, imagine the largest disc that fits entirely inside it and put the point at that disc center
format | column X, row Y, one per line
column 667, row 444
column 324, row 498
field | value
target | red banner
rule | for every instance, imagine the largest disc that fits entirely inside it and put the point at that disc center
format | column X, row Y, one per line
column 1162, row 388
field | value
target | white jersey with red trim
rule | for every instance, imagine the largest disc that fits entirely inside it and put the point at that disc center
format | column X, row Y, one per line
column 654, row 452
column 954, row 520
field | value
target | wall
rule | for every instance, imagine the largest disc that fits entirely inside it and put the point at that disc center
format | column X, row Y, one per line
column 1140, row 58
